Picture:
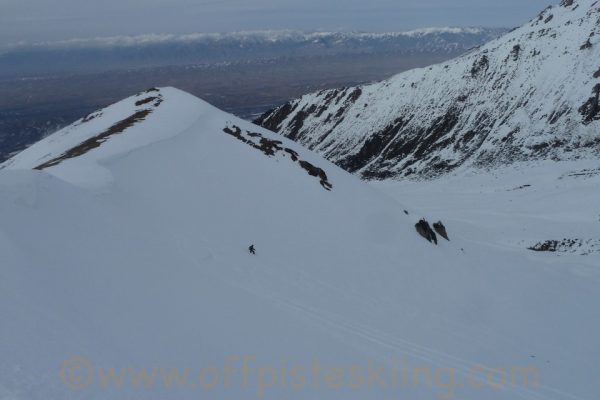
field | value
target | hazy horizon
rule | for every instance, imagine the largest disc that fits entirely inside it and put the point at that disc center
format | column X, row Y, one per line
column 33, row 21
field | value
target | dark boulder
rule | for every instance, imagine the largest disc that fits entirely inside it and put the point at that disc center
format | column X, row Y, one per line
column 586, row 45
column 316, row 171
column 425, row 230
column 441, row 230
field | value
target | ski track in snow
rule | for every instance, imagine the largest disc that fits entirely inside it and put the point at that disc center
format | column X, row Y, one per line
column 395, row 343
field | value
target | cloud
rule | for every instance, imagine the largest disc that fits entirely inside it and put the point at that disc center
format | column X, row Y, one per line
column 271, row 35
column 36, row 21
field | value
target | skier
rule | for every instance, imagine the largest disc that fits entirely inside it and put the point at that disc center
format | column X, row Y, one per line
column 251, row 249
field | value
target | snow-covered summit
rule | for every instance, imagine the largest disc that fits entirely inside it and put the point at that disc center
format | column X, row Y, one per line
column 125, row 236
column 100, row 135
column 82, row 152
column 531, row 94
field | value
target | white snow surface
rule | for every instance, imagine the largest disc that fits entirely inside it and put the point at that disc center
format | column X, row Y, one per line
column 135, row 255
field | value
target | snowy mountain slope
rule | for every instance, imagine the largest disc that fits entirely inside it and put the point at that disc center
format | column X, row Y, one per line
column 133, row 254
column 531, row 94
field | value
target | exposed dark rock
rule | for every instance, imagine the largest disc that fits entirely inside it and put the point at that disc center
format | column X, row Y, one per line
column 597, row 73
column 516, row 50
column 341, row 96
column 145, row 101
column 296, row 124
column 310, row 110
column 543, row 32
column 272, row 119
column 416, row 143
column 566, row 3
column 441, row 230
column 271, row 147
column 425, row 230
column 548, row 245
column 568, row 245
column 538, row 147
column 324, row 136
column 372, row 147
column 267, row 146
column 330, row 96
column 590, row 110
column 316, row 171
column 235, row 132
column 541, row 15
column 557, row 114
column 466, row 138
column 480, row 66
column 521, row 187
column 439, row 128
column 355, row 95
column 321, row 110
column 586, row 45
column 97, row 140
column 548, row 18
column 292, row 153
column 584, row 173
column 340, row 112
column 90, row 117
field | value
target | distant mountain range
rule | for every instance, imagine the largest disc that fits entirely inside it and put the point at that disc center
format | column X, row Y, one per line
column 101, row 54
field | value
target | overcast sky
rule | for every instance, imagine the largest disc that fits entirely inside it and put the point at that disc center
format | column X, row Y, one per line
column 49, row 20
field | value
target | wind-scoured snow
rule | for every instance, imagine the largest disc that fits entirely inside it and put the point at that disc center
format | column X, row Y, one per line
column 532, row 94
column 134, row 254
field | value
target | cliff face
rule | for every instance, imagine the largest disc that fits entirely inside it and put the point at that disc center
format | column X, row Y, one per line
column 529, row 95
